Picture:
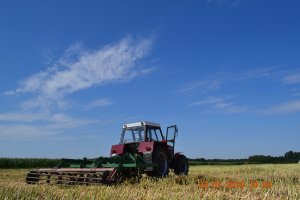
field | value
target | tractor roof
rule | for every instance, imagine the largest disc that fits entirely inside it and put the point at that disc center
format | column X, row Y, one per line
column 141, row 123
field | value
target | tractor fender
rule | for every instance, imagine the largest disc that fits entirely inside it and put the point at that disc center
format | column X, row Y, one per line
column 177, row 154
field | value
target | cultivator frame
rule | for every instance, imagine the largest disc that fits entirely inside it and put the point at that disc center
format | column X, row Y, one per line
column 102, row 170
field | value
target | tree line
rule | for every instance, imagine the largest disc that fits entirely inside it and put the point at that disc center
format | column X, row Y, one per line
column 288, row 157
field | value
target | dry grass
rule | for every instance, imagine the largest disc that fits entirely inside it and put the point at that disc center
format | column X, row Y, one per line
column 285, row 181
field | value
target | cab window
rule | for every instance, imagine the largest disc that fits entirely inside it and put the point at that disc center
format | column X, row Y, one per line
column 133, row 135
column 154, row 134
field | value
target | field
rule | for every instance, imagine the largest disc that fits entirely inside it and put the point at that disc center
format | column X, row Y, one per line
column 281, row 181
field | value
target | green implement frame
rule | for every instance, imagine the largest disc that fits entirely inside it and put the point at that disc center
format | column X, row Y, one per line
column 102, row 170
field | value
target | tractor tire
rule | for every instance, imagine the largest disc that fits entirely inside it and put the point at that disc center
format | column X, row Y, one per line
column 181, row 165
column 160, row 157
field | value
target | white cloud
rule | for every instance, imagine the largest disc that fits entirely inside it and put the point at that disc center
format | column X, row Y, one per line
column 224, row 2
column 34, row 125
column 39, row 117
column 217, row 81
column 62, row 122
column 295, row 92
column 221, row 104
column 99, row 103
column 24, row 131
column 204, row 85
column 80, row 69
column 291, row 79
column 210, row 100
column 284, row 108
column 22, row 117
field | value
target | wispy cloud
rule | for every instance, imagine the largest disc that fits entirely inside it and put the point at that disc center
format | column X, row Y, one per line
column 99, row 103
column 224, row 2
column 217, row 81
column 23, row 117
column 284, row 108
column 296, row 93
column 81, row 68
column 291, row 79
column 204, row 85
column 34, row 125
column 208, row 86
column 221, row 104
column 25, row 131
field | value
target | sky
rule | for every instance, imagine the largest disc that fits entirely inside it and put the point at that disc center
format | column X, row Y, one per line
column 227, row 72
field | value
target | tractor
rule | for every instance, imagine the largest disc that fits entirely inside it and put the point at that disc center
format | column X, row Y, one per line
column 143, row 149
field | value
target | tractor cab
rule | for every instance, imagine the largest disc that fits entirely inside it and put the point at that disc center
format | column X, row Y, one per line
column 146, row 131
column 141, row 132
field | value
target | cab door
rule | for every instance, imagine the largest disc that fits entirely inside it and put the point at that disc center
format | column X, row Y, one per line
column 171, row 134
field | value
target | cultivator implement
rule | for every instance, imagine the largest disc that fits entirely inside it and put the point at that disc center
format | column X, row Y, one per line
column 90, row 171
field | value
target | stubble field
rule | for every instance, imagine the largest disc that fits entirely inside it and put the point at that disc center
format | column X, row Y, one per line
column 203, row 182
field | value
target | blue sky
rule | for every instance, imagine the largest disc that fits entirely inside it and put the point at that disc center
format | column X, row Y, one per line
column 227, row 72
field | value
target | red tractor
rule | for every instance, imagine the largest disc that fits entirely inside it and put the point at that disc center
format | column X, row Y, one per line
column 146, row 139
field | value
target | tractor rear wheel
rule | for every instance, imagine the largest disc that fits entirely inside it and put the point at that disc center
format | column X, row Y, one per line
column 181, row 165
column 160, row 158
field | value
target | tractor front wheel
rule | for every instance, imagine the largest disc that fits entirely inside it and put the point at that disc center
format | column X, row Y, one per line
column 160, row 158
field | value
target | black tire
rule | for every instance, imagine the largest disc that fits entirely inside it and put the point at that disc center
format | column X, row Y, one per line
column 160, row 157
column 181, row 165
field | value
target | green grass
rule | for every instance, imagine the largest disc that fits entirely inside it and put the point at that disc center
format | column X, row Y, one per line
column 285, row 179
